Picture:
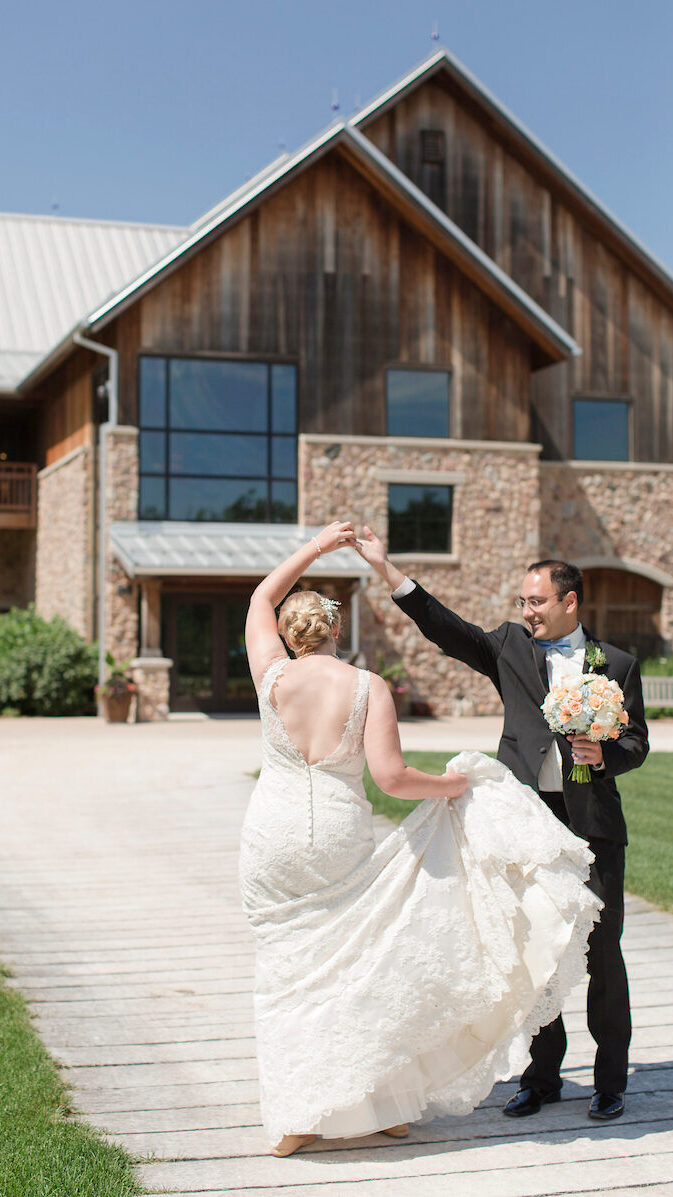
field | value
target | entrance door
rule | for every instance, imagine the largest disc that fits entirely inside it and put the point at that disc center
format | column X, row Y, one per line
column 203, row 634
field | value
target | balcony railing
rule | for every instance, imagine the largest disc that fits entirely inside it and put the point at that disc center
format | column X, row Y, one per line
column 18, row 494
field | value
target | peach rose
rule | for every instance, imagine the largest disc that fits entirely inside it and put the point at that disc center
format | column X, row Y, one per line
column 564, row 716
column 623, row 717
column 614, row 733
column 595, row 701
column 597, row 729
column 575, row 707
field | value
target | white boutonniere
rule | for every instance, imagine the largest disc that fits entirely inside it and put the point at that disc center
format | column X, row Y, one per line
column 595, row 657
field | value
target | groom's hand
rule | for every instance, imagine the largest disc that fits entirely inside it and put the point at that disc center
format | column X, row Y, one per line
column 374, row 551
column 586, row 752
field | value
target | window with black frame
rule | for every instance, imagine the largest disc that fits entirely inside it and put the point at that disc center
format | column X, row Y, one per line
column 601, row 430
column 419, row 518
column 417, row 403
column 218, row 440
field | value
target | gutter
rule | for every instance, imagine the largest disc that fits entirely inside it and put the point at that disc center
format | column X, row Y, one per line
column 112, row 420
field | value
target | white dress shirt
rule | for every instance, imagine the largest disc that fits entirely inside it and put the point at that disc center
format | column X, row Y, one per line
column 559, row 668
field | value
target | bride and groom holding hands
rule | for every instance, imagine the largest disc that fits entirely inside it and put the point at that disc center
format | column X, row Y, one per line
column 400, row 981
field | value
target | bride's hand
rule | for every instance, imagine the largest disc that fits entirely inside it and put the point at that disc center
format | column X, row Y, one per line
column 335, row 536
column 456, row 783
column 372, row 549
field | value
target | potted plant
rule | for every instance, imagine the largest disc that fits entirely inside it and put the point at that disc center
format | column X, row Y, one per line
column 116, row 691
column 396, row 680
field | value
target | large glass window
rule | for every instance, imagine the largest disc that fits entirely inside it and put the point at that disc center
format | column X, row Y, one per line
column 601, row 430
column 417, row 403
column 419, row 518
column 218, row 440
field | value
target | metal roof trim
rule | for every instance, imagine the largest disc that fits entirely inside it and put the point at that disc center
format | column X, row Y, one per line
column 262, row 182
column 444, row 58
column 343, row 130
column 469, row 247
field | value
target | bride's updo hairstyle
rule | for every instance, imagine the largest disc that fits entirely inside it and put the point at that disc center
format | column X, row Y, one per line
column 304, row 623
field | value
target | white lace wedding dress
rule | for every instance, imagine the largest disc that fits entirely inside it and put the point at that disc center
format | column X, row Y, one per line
column 401, row 980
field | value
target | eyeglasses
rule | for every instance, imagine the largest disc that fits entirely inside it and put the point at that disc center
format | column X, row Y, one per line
column 535, row 604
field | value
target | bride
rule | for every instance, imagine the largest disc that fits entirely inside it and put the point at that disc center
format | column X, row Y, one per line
column 403, row 980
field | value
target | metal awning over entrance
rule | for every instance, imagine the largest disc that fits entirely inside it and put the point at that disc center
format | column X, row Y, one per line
column 156, row 549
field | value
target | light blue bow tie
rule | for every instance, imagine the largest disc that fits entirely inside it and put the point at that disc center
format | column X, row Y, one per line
column 563, row 646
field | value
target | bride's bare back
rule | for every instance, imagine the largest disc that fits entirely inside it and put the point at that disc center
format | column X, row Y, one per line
column 314, row 698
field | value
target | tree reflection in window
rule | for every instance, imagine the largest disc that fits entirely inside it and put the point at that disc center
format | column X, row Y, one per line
column 419, row 518
column 218, row 440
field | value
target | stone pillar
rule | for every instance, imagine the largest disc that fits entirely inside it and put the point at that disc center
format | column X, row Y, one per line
column 150, row 618
column 121, row 592
column 152, row 678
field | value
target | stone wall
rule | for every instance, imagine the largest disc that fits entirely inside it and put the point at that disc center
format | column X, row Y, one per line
column 17, row 576
column 121, row 593
column 64, row 560
column 496, row 517
column 611, row 514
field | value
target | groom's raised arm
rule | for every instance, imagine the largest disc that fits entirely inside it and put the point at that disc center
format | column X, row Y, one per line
column 465, row 641
column 456, row 637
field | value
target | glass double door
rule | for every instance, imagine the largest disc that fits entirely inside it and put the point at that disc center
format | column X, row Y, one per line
column 203, row 634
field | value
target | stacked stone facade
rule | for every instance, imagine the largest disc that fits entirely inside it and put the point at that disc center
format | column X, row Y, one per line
column 64, row 581
column 121, row 593
column 612, row 514
column 496, row 516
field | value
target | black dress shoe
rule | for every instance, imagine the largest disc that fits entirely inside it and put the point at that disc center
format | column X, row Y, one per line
column 529, row 1101
column 606, row 1105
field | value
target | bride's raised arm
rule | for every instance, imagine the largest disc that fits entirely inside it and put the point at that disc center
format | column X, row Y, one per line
column 262, row 642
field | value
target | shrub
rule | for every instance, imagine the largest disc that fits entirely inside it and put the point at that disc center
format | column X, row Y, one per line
column 46, row 668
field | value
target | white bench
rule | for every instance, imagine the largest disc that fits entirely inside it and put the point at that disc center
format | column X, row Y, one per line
column 658, row 691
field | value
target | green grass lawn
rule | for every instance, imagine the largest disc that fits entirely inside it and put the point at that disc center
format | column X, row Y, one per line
column 647, row 795
column 43, row 1152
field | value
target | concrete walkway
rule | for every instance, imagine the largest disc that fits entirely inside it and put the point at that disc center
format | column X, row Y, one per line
column 120, row 919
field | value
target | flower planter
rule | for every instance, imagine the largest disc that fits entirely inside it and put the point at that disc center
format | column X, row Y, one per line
column 116, row 707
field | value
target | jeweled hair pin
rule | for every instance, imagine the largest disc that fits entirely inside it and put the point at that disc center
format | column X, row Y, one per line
column 330, row 607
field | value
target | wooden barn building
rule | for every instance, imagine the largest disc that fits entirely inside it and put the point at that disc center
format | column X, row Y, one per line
column 421, row 321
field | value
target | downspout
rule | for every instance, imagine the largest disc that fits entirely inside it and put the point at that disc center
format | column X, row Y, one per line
column 113, row 410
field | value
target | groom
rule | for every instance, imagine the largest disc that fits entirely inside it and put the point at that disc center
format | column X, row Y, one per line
column 522, row 663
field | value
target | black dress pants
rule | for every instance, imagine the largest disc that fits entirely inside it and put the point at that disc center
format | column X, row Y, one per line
column 608, row 1010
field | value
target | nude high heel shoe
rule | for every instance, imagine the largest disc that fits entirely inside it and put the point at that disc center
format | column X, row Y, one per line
column 291, row 1143
column 397, row 1132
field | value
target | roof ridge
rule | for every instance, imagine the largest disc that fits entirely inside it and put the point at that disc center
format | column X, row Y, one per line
column 92, row 220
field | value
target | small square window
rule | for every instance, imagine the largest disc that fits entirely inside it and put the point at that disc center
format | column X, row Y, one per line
column 417, row 403
column 419, row 518
column 601, row 430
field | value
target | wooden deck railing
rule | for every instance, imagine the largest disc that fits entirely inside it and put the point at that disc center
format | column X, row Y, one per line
column 18, row 494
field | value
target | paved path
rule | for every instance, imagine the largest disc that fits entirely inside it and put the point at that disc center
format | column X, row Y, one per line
column 120, row 919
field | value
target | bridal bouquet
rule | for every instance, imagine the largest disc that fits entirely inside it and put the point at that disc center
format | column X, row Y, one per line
column 589, row 705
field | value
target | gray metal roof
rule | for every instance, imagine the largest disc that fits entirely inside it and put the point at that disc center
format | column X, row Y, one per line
column 151, row 548
column 443, row 61
column 53, row 270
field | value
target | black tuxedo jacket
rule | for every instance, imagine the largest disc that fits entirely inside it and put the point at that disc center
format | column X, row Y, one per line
column 516, row 665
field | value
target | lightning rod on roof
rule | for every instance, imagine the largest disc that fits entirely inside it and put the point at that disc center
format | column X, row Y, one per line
column 335, row 100
column 434, row 36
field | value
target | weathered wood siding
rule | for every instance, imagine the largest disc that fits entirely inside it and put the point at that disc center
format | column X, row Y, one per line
column 550, row 245
column 328, row 274
column 65, row 416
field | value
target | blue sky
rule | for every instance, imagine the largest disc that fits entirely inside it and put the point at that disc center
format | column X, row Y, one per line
column 154, row 111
